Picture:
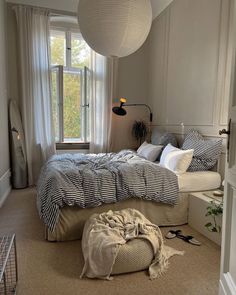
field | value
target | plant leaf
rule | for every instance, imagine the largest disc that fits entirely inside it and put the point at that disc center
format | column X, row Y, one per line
column 208, row 224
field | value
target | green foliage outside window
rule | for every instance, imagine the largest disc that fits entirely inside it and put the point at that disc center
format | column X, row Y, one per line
column 58, row 46
column 80, row 52
column 72, row 124
column 55, row 105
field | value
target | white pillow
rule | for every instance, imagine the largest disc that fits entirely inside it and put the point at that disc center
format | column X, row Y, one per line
column 169, row 148
column 175, row 159
column 149, row 151
column 142, row 147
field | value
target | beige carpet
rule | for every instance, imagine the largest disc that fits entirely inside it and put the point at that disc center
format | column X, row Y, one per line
column 54, row 268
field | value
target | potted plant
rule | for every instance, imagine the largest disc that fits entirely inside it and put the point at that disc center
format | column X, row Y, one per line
column 213, row 211
column 139, row 131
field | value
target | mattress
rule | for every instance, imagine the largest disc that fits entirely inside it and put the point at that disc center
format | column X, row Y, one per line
column 199, row 181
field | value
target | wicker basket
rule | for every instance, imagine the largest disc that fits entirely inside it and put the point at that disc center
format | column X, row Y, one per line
column 8, row 265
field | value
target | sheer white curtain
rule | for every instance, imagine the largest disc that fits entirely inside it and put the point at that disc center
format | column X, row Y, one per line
column 33, row 37
column 104, row 84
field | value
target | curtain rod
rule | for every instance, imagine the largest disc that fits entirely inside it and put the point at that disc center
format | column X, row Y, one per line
column 53, row 12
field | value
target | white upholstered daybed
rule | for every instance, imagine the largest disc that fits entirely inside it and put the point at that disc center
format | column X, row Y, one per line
column 173, row 181
column 72, row 219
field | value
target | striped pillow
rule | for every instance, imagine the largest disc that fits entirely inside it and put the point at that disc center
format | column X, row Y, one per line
column 206, row 151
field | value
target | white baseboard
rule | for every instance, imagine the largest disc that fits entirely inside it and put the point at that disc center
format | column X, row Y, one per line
column 222, row 289
column 5, row 187
column 227, row 285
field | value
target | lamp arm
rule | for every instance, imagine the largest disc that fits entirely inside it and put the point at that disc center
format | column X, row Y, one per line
column 139, row 104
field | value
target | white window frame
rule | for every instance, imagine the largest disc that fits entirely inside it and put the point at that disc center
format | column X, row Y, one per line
column 83, row 89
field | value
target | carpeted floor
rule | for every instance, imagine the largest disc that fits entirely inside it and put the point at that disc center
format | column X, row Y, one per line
column 54, row 268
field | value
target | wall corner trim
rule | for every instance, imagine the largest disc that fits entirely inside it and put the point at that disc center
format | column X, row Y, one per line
column 5, row 186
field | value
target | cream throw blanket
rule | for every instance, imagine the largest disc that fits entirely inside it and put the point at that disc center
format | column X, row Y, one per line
column 105, row 233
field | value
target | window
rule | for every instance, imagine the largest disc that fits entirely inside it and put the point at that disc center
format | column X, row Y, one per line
column 70, row 75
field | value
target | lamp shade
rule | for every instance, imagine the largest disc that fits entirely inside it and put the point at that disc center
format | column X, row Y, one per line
column 115, row 27
column 119, row 111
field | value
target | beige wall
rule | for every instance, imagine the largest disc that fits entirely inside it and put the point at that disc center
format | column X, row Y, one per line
column 187, row 59
column 4, row 145
column 179, row 71
column 187, row 66
column 132, row 76
column 132, row 84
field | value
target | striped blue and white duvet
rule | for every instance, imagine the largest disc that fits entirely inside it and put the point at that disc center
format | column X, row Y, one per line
column 89, row 180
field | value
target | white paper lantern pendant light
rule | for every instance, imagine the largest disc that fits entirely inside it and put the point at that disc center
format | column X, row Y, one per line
column 115, row 27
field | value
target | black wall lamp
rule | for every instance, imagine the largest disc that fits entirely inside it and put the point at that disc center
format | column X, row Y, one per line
column 120, row 111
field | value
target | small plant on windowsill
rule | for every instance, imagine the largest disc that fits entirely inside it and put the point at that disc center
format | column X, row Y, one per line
column 213, row 211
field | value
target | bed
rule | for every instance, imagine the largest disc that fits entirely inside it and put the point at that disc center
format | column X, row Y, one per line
column 159, row 194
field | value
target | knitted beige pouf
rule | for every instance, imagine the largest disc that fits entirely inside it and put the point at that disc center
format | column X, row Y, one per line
column 135, row 255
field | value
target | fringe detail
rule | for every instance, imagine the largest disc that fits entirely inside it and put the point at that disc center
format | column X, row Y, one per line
column 160, row 263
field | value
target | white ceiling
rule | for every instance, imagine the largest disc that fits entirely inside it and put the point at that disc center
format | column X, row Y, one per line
column 71, row 5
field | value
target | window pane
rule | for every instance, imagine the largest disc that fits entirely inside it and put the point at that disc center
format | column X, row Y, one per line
column 72, row 110
column 55, row 101
column 58, row 45
column 80, row 51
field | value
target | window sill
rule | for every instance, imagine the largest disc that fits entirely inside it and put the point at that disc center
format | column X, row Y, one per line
column 72, row 146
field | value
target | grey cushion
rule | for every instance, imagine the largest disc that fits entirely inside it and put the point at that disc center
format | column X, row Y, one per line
column 206, row 151
column 160, row 137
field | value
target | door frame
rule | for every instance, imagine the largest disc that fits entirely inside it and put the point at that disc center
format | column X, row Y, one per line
column 226, row 285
